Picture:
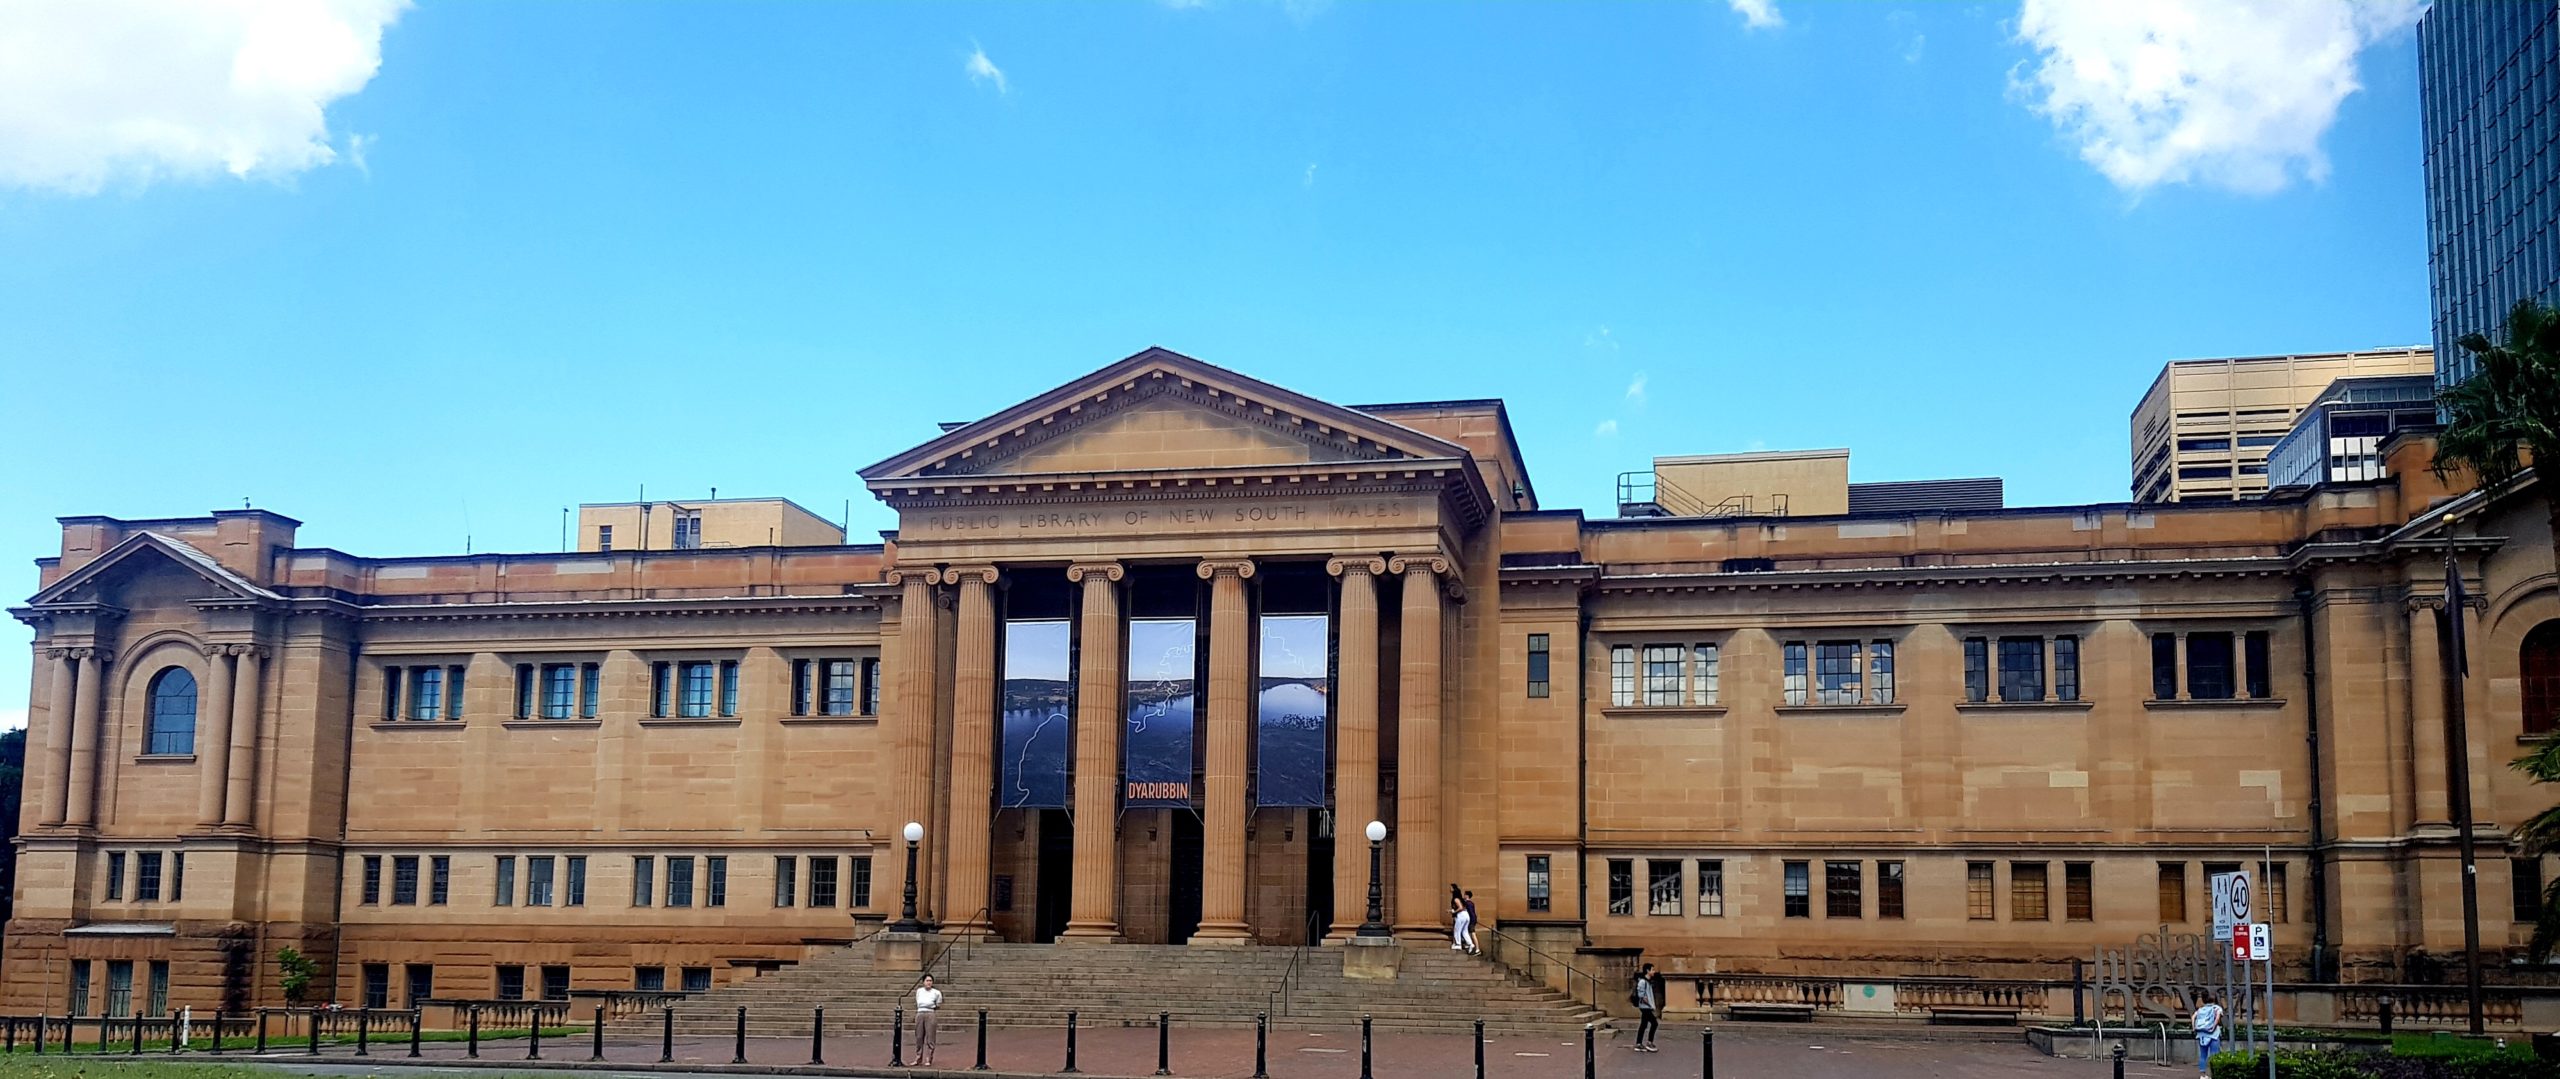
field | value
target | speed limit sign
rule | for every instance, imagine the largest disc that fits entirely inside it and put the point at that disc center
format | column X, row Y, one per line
column 2230, row 903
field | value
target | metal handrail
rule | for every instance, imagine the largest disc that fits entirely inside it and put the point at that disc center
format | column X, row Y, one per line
column 1571, row 972
column 1289, row 974
column 984, row 919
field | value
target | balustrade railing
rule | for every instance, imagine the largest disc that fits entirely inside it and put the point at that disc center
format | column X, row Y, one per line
column 2431, row 1005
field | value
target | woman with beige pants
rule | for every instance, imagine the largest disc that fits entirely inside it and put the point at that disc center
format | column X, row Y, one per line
column 928, row 1002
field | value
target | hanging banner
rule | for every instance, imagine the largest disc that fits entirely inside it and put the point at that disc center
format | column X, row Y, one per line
column 1037, row 696
column 1163, row 710
column 1290, row 711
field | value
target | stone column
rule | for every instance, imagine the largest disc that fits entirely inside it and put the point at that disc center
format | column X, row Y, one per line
column 2429, row 783
column 239, row 807
column 57, row 734
column 2178, row 663
column 83, row 781
column 973, row 750
column 1355, row 768
column 1094, row 913
column 213, row 737
column 1222, row 829
column 908, row 728
column 1418, row 875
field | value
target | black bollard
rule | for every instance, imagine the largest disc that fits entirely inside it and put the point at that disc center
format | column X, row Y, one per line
column 898, row 1038
column 39, row 1035
column 471, row 1039
column 262, row 1030
column 1261, row 1045
column 740, row 1057
column 981, row 1065
column 1707, row 1054
column 417, row 1026
column 1364, row 1041
column 311, row 1045
column 598, row 1052
column 817, row 1037
column 364, row 1032
column 1479, row 1049
column 2119, row 1056
column 13, row 1034
column 2079, row 983
column 218, row 1017
column 1590, row 1061
column 137, row 1035
column 1071, row 1043
column 2386, row 1017
column 1164, row 1043
column 533, row 1045
column 667, row 1036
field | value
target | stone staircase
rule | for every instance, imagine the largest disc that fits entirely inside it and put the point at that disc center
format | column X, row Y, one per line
column 1035, row 985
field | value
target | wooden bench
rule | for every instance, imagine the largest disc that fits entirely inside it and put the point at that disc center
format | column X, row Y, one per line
column 1974, row 1014
column 1784, row 1013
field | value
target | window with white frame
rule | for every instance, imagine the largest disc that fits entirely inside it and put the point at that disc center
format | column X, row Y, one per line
column 1837, row 673
column 1666, row 675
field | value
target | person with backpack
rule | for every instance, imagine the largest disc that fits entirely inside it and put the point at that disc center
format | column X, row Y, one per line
column 1648, row 1001
column 2207, row 1024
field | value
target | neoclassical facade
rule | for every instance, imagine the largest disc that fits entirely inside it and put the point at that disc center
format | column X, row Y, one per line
column 1145, row 652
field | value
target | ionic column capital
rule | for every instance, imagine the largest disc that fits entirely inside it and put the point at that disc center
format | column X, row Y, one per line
column 986, row 575
column 1213, row 568
column 927, row 575
column 1420, row 563
column 100, row 656
column 1370, row 564
column 1108, row 571
column 58, row 653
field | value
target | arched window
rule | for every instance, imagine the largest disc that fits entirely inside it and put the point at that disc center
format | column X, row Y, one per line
column 173, row 712
column 2541, row 667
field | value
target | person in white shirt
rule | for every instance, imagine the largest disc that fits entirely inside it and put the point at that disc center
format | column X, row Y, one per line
column 928, row 1002
column 2207, row 1023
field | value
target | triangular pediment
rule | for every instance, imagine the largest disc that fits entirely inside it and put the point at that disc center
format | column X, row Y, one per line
column 1162, row 411
column 149, row 552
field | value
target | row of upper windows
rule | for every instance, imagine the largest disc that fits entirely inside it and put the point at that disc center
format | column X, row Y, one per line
column 686, row 689
column 2009, row 670
column 1844, row 888
column 561, row 880
column 158, row 876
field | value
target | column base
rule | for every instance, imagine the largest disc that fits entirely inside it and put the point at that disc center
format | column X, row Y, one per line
column 1091, row 933
column 1221, row 935
column 1374, row 959
column 1422, row 932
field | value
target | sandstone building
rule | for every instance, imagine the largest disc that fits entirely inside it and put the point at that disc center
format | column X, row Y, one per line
column 1146, row 650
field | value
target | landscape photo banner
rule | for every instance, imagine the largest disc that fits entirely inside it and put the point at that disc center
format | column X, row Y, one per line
column 1290, row 710
column 1037, row 700
column 1163, row 712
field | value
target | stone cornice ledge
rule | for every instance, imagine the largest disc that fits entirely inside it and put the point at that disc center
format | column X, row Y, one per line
column 1938, row 576
column 616, row 608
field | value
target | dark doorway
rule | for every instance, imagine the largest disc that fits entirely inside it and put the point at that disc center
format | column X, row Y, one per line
column 1182, row 905
column 1057, row 875
column 1319, row 882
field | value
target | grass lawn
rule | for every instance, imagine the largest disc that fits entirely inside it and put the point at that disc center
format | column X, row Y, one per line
column 394, row 1040
column 2519, row 1046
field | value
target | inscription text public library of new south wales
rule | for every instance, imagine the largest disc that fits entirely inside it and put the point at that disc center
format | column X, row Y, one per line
column 1219, row 516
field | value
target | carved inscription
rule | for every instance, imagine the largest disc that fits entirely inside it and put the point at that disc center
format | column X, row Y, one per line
column 1180, row 517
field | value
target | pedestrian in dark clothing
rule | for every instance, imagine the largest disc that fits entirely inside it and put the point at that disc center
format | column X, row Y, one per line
column 1648, row 1001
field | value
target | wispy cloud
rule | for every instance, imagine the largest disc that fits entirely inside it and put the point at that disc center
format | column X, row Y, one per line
column 356, row 146
column 982, row 69
column 2233, row 94
column 1309, row 180
column 109, row 91
column 1758, row 14
column 1599, row 340
column 1635, row 390
column 1914, row 43
column 1607, row 429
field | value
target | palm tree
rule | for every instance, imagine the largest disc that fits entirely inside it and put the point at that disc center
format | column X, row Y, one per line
column 2509, row 407
column 2539, row 835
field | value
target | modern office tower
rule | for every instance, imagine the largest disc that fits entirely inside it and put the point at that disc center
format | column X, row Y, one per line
column 2489, row 89
column 2203, row 430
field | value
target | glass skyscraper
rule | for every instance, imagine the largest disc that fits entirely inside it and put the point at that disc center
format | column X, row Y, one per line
column 2489, row 83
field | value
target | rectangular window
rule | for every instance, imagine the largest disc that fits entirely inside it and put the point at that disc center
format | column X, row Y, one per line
column 524, row 691
column 2524, row 880
column 146, row 877
column 426, row 692
column 453, row 693
column 688, row 528
column 870, row 687
column 698, row 679
column 2021, row 669
column 372, row 892
column 575, row 895
column 1538, row 660
column 2077, row 900
column 537, row 880
column 822, row 881
column 506, row 890
column 377, row 985
column 1541, row 884
column 1799, row 889
column 1622, row 887
column 715, row 881
column 177, row 876
column 679, row 882
column 439, row 879
column 1888, row 889
column 661, row 678
column 1844, row 887
column 644, row 880
column 1835, row 672
column 2209, row 666
column 1880, row 672
column 391, row 693
column 2027, row 892
column 1710, row 887
column 858, row 880
column 2270, row 897
column 115, row 875
column 2164, row 667
column 119, row 989
column 2173, row 892
column 79, row 1004
column 157, row 1002
column 786, row 880
column 1977, row 891
column 555, row 983
column 1662, row 670
column 1662, row 886
column 728, row 687
column 1977, row 669
column 559, row 690
column 2261, row 686
column 649, row 979
column 404, row 881
column 2066, row 668
column 422, row 983
column 800, row 687
column 590, row 687
column 510, row 981
column 604, row 538
column 697, row 979
column 1704, row 675
column 1794, row 670
column 844, row 686
column 1622, row 675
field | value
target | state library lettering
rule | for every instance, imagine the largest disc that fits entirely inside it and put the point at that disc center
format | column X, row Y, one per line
column 1149, row 650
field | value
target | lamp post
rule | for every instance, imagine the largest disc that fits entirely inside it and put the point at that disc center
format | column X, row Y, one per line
column 1376, row 926
column 907, row 922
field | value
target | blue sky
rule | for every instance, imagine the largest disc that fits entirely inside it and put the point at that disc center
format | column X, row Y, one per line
column 473, row 263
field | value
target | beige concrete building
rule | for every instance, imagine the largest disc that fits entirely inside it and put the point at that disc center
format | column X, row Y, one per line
column 708, row 522
column 2203, row 430
column 1147, row 648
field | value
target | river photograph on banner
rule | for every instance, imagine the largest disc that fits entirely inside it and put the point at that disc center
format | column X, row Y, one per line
column 1163, row 710
column 1290, row 711
column 1038, row 697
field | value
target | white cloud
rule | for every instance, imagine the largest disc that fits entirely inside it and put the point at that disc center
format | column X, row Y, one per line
column 982, row 69
column 1758, row 14
column 2232, row 93
column 356, row 146
column 1310, row 179
column 1600, row 339
column 1607, row 429
column 1635, row 390
column 100, row 91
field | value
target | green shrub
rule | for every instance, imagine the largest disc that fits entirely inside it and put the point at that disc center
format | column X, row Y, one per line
column 2472, row 1060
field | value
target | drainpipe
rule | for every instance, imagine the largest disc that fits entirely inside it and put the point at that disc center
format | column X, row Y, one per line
column 1582, row 775
column 2323, row 961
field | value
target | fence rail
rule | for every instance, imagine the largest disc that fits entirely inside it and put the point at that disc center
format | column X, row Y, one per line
column 2431, row 1005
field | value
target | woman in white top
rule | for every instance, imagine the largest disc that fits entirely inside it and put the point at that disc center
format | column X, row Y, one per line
column 928, row 1002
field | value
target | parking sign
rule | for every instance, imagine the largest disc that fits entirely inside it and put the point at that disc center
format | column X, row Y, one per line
column 2230, row 903
column 2262, row 944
